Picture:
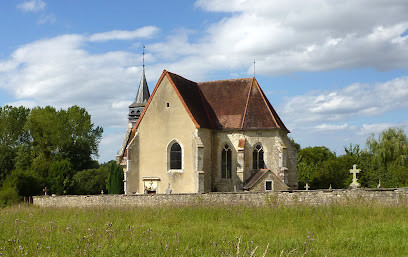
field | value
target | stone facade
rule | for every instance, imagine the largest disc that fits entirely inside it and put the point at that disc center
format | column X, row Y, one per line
column 387, row 197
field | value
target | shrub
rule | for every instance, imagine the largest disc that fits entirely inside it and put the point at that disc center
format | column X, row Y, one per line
column 8, row 196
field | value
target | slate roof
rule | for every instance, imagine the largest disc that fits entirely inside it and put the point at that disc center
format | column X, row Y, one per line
column 234, row 104
column 143, row 93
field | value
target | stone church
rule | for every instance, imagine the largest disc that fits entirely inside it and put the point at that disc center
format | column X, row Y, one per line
column 194, row 137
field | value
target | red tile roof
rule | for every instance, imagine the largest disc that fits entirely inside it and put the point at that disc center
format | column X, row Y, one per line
column 223, row 104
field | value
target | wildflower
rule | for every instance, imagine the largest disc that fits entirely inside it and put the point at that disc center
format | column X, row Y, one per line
column 21, row 248
column 99, row 246
column 252, row 242
column 48, row 248
column 307, row 237
column 312, row 239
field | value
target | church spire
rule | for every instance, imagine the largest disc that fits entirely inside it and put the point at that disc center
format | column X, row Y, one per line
column 143, row 94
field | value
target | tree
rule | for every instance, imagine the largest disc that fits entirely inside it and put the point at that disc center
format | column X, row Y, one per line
column 12, row 136
column 60, row 177
column 115, row 179
column 390, row 157
column 91, row 181
column 65, row 135
column 309, row 161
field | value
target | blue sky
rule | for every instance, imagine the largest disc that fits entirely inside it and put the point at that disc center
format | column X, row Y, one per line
column 335, row 71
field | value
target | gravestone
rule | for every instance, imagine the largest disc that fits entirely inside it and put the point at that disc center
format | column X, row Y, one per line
column 354, row 171
column 45, row 190
column 307, row 187
column 168, row 190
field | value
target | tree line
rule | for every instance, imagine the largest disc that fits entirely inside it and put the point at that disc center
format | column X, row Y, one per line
column 44, row 147
column 383, row 161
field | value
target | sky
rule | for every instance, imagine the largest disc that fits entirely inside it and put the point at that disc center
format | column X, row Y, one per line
column 335, row 71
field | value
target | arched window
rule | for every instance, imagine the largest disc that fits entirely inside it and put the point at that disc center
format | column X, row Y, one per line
column 258, row 158
column 175, row 156
column 226, row 162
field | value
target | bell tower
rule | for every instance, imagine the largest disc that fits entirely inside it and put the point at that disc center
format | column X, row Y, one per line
column 143, row 94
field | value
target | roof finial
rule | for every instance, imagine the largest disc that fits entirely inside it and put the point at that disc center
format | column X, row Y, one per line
column 143, row 55
column 254, row 68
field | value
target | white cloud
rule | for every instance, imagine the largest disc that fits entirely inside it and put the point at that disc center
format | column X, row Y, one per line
column 145, row 32
column 32, row 6
column 59, row 72
column 289, row 36
column 355, row 100
column 331, row 127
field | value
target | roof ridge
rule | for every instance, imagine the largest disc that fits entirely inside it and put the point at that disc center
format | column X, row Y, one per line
column 246, row 105
column 212, row 81
column 180, row 76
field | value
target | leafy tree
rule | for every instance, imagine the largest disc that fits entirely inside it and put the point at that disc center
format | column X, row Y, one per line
column 390, row 157
column 309, row 161
column 60, row 177
column 65, row 135
column 12, row 136
column 91, row 181
column 26, row 182
column 115, row 179
column 334, row 172
column 8, row 196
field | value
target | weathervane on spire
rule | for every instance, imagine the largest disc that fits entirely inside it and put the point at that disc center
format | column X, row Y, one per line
column 254, row 68
column 143, row 55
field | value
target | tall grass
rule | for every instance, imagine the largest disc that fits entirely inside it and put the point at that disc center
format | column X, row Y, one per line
column 205, row 231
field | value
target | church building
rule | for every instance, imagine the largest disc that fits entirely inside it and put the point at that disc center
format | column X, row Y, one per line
column 215, row 136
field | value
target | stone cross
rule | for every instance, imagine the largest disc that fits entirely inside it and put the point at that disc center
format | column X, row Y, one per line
column 354, row 171
column 307, row 187
column 45, row 190
column 102, row 192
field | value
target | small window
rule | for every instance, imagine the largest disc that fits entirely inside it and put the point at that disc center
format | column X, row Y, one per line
column 168, row 104
column 175, row 157
column 268, row 185
column 226, row 162
column 258, row 158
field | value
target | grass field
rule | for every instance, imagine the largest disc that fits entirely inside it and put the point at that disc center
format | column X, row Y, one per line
column 205, row 231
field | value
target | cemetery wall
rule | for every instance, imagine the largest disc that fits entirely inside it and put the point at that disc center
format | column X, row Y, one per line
column 277, row 198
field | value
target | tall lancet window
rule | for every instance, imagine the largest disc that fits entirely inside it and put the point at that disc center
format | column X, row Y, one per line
column 226, row 162
column 175, row 156
column 258, row 158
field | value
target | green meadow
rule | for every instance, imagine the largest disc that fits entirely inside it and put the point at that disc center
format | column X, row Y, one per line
column 370, row 230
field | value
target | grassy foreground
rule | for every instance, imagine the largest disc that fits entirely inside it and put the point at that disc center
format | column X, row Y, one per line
column 205, row 231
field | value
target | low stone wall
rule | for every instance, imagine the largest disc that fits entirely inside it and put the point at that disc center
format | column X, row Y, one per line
column 280, row 198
